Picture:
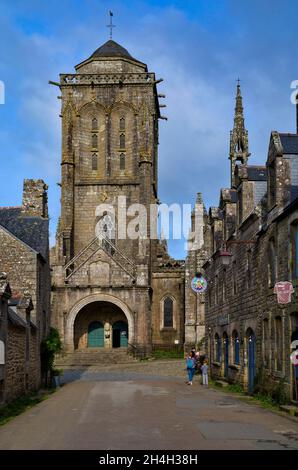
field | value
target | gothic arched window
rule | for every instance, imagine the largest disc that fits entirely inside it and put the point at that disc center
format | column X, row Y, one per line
column 94, row 161
column 217, row 345
column 266, row 342
column 278, row 343
column 217, row 348
column 271, row 263
column 94, row 124
column 168, row 312
column 236, row 347
column 122, row 161
column 122, row 124
column 94, row 141
column 122, row 141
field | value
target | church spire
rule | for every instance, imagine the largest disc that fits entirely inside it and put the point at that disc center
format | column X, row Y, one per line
column 238, row 137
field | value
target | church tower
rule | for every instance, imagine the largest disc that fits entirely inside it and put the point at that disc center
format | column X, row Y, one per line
column 101, row 276
column 238, row 138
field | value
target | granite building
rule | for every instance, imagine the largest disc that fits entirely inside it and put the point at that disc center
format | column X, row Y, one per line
column 251, row 244
column 110, row 290
column 25, row 290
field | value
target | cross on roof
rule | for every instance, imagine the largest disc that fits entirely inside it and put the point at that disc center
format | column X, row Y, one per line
column 111, row 25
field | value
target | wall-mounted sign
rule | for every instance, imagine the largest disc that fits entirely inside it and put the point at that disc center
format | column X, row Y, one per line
column 199, row 283
column 284, row 290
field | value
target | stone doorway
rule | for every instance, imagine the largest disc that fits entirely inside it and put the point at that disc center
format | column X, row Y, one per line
column 100, row 325
column 120, row 334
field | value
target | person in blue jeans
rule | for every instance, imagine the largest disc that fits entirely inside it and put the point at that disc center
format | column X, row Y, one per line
column 190, row 366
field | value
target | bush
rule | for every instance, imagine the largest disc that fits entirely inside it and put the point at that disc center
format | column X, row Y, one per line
column 265, row 387
column 167, row 354
column 50, row 346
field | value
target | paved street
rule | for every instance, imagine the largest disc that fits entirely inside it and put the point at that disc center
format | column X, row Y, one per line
column 145, row 406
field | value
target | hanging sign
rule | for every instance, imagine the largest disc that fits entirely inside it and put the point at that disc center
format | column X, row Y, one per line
column 199, row 283
column 283, row 290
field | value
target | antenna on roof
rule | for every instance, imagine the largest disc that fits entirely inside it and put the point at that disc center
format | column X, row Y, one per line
column 111, row 25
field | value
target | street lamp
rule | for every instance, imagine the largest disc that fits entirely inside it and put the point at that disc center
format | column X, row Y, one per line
column 225, row 257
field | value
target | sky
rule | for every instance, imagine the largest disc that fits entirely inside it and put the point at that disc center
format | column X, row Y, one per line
column 198, row 47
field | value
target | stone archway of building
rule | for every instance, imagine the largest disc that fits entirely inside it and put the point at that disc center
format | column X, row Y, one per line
column 71, row 342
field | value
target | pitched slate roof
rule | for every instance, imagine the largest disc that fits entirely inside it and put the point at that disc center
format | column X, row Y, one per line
column 289, row 143
column 15, row 319
column 31, row 230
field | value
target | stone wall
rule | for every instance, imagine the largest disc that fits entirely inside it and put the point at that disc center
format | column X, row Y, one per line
column 168, row 284
column 26, row 271
column 20, row 263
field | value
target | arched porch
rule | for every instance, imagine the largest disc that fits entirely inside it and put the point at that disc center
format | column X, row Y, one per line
column 99, row 321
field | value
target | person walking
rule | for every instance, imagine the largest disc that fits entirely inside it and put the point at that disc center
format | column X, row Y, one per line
column 204, row 369
column 190, row 366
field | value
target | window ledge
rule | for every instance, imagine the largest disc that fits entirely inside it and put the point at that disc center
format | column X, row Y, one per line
column 278, row 374
column 234, row 366
column 168, row 328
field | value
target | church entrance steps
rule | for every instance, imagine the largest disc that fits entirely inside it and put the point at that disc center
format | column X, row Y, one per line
column 96, row 244
column 95, row 356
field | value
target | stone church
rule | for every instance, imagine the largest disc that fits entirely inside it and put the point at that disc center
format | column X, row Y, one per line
column 112, row 291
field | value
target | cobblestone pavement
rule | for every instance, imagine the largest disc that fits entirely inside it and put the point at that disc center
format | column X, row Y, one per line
column 145, row 406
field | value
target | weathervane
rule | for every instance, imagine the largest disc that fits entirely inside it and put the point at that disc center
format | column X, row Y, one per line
column 111, row 25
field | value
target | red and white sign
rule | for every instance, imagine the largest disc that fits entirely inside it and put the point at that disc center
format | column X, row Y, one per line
column 283, row 290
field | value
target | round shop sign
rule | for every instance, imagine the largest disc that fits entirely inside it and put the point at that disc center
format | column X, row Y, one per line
column 199, row 284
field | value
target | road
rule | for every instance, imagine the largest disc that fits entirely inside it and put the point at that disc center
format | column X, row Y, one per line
column 145, row 408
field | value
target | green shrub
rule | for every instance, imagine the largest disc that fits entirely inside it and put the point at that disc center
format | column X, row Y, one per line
column 167, row 354
column 269, row 390
column 50, row 346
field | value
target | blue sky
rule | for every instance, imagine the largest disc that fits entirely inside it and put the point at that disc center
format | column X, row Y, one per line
column 198, row 47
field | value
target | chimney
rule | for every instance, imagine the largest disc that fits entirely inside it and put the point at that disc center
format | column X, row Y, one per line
column 35, row 198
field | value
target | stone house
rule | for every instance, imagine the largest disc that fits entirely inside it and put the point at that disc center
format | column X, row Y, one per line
column 251, row 244
column 109, row 289
column 24, row 257
column 19, row 347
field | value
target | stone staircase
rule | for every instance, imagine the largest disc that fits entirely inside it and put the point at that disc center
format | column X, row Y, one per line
column 93, row 357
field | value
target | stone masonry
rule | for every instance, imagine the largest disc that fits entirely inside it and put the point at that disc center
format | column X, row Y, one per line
column 251, row 245
column 110, row 113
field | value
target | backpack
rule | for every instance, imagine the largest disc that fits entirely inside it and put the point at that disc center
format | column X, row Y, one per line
column 189, row 363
